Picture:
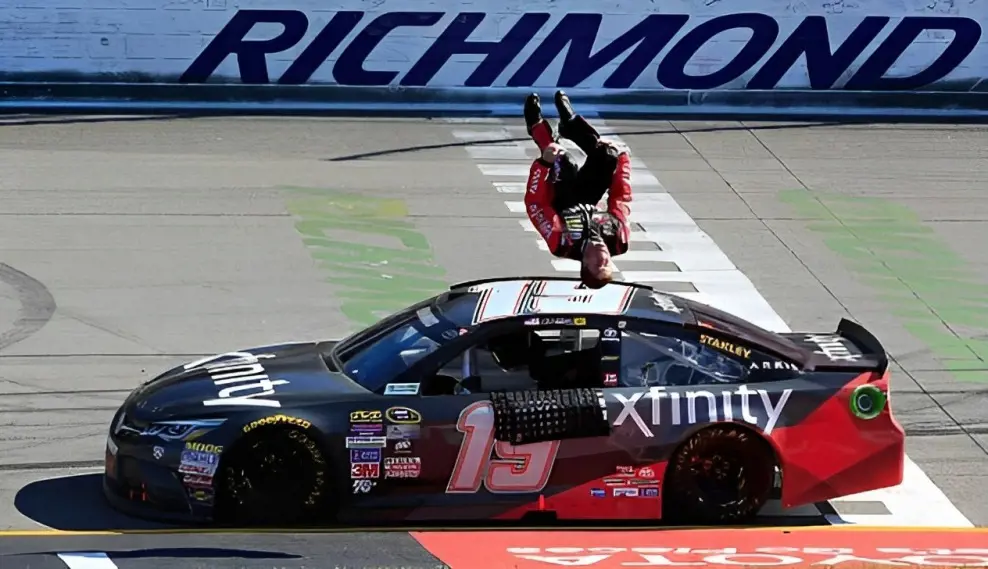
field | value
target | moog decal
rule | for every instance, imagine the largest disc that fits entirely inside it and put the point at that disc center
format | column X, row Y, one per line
column 241, row 378
column 865, row 55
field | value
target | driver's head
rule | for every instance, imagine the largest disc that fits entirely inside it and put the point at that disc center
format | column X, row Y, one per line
column 597, row 269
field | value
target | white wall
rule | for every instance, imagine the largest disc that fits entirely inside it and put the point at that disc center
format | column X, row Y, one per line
column 162, row 37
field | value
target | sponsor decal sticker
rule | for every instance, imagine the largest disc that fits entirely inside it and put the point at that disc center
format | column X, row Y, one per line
column 366, row 442
column 833, row 347
column 597, row 492
column 365, row 470
column 665, row 303
column 202, row 447
column 402, row 467
column 403, row 447
column 755, row 406
column 403, row 432
column 610, row 379
column 158, row 452
column 366, row 429
column 365, row 455
column 198, row 462
column 240, row 378
column 363, row 486
column 403, row 416
column 625, row 492
column 365, row 417
column 725, row 346
column 402, row 389
column 275, row 420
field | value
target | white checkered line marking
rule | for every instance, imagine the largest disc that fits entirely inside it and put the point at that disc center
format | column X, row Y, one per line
column 915, row 502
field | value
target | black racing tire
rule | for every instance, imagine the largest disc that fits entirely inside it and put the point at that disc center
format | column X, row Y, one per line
column 274, row 476
column 720, row 475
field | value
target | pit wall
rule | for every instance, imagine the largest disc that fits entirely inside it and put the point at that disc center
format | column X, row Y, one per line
column 640, row 56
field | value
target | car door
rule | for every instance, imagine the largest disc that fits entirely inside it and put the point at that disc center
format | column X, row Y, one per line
column 477, row 476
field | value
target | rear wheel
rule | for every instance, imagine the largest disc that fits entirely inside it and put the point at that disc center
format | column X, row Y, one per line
column 722, row 474
column 274, row 476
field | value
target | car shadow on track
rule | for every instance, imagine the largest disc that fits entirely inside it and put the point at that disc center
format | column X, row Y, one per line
column 75, row 503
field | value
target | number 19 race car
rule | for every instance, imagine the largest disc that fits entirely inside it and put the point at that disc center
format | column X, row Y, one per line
column 509, row 398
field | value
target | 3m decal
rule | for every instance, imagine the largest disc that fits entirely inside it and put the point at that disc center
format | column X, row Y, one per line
column 403, row 416
column 833, row 347
column 366, row 416
column 515, row 470
column 517, row 298
column 365, row 470
column 243, row 372
column 724, row 346
column 861, row 58
column 670, row 404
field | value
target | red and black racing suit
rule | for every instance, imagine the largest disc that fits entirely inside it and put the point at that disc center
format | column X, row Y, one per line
column 561, row 199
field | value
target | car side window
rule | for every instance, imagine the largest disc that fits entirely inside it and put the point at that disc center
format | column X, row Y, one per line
column 656, row 356
column 543, row 358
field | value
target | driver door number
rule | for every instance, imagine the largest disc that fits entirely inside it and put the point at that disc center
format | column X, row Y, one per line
column 515, row 470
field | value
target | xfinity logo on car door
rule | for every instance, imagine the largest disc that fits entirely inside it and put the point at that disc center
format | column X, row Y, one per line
column 755, row 406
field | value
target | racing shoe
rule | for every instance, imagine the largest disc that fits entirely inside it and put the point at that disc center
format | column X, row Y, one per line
column 538, row 128
column 564, row 107
column 573, row 126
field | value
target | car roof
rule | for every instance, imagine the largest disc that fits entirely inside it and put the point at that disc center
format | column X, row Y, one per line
column 509, row 297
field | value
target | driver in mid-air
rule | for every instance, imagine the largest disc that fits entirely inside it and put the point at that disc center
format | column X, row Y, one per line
column 561, row 197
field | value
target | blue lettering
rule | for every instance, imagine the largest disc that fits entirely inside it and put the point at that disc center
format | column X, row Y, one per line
column 324, row 44
column 822, row 67
column 871, row 74
column 349, row 68
column 579, row 31
column 576, row 34
column 454, row 41
column 672, row 70
column 251, row 55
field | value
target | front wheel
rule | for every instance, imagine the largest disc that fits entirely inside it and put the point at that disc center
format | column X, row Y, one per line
column 275, row 476
column 722, row 474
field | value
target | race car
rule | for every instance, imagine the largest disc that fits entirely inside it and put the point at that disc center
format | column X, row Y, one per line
column 508, row 399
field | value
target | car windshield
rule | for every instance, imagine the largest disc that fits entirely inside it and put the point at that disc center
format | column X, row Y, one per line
column 375, row 359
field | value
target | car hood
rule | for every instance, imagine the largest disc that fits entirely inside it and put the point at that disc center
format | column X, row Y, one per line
column 267, row 377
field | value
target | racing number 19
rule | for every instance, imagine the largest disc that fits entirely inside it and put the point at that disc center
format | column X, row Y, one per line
column 516, row 470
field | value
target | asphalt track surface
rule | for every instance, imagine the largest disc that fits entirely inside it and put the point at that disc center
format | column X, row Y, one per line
column 131, row 244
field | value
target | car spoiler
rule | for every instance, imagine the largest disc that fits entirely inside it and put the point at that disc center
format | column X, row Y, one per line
column 860, row 351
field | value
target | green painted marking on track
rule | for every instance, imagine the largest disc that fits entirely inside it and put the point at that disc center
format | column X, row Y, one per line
column 923, row 281
column 368, row 249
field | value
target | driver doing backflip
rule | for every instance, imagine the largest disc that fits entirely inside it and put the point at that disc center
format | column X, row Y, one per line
column 561, row 197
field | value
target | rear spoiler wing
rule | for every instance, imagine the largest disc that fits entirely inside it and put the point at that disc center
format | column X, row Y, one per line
column 874, row 357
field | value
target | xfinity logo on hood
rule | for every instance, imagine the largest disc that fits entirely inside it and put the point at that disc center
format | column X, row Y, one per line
column 703, row 406
column 241, row 378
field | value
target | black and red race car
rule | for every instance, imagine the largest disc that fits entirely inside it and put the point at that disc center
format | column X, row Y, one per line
column 508, row 398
